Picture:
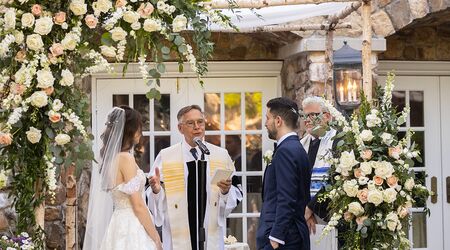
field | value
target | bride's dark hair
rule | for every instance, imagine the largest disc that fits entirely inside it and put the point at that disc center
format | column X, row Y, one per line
column 133, row 124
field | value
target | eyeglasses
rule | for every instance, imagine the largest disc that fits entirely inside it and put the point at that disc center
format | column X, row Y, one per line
column 191, row 124
column 312, row 115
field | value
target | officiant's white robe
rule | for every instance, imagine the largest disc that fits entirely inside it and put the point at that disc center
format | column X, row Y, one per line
column 319, row 172
column 158, row 203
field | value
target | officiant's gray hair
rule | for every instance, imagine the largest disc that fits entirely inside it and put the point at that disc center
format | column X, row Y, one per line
column 315, row 100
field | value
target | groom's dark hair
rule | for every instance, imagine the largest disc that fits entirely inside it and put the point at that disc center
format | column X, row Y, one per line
column 285, row 108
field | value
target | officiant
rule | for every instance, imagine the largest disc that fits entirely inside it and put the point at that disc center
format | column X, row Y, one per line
column 191, row 210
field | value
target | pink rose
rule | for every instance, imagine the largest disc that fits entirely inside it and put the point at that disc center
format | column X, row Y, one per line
column 402, row 211
column 18, row 89
column 55, row 117
column 395, row 152
column 392, row 181
column 362, row 195
column 360, row 220
column 36, row 9
column 5, row 138
column 357, row 173
column 49, row 90
column 60, row 17
column 120, row 3
column 21, row 55
column 91, row 21
column 378, row 180
column 348, row 216
column 57, row 49
column 366, row 154
column 145, row 10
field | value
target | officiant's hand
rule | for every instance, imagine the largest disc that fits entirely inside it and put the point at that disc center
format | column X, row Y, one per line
column 155, row 181
column 224, row 186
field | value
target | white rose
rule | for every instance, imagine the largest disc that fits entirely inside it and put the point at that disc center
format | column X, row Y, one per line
column 39, row 99
column 62, row 139
column 151, row 25
column 351, row 188
column 10, row 19
column 118, row 34
column 346, row 162
column 78, row 7
column 409, row 184
column 389, row 195
column 366, row 135
column 366, row 167
column 363, row 180
column 131, row 16
column 66, row 78
column 27, row 20
column 102, row 5
column 57, row 105
column 34, row 42
column 43, row 25
column 375, row 197
column 19, row 37
column 384, row 169
column 108, row 51
column 135, row 26
column 179, row 23
column 392, row 221
column 34, row 135
column 372, row 119
column 387, row 138
column 70, row 41
column 355, row 208
column 45, row 78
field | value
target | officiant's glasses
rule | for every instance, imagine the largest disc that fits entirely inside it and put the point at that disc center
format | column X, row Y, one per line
column 191, row 124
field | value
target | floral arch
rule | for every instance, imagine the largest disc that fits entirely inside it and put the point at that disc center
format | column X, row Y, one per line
column 46, row 45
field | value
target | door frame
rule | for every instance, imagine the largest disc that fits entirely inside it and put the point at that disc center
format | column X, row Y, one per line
column 440, row 69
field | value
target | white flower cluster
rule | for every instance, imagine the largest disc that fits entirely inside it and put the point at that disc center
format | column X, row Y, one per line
column 75, row 120
column 50, row 177
column 4, row 45
column 115, row 17
column 100, row 63
column 143, row 68
column 189, row 54
column 121, row 50
column 372, row 119
column 3, row 179
column 165, row 8
column 387, row 97
column 337, row 116
column 334, row 221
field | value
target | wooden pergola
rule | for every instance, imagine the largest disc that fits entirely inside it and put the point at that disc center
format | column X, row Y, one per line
column 330, row 25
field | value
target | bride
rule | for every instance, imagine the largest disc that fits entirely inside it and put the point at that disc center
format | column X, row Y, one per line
column 117, row 216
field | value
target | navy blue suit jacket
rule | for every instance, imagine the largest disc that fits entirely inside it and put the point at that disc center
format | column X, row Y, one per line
column 285, row 195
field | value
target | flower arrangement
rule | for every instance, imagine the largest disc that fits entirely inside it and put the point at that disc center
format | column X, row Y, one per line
column 372, row 187
column 22, row 241
column 268, row 157
column 45, row 46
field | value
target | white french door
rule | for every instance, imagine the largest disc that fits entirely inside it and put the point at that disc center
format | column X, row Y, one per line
column 427, row 97
column 234, row 109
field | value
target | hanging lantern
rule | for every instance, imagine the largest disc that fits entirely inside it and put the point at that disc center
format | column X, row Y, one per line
column 347, row 72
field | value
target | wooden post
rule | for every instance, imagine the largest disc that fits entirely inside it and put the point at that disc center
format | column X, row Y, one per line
column 71, row 208
column 367, row 49
column 329, row 59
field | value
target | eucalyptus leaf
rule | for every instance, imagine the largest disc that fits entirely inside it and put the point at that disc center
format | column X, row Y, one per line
column 401, row 120
column 59, row 160
column 49, row 132
column 419, row 159
column 178, row 40
column 153, row 94
column 154, row 73
column 161, row 68
column 182, row 49
column 367, row 222
column 107, row 39
column 340, row 143
column 165, row 50
column 409, row 162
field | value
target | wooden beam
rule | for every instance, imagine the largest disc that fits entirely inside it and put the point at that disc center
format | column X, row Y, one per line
column 333, row 19
column 257, row 4
column 279, row 28
column 367, row 49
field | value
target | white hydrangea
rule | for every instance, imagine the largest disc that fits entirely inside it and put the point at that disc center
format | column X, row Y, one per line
column 372, row 119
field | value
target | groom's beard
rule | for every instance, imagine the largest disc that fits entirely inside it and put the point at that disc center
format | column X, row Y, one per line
column 272, row 133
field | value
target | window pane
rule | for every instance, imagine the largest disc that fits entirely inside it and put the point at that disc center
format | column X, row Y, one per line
column 232, row 111
column 212, row 111
column 399, row 101
column 162, row 113
column 254, row 189
column 233, row 145
column 253, row 110
column 419, row 227
column 213, row 139
column 254, row 153
column 419, row 178
column 419, row 139
column 252, row 227
column 142, row 153
column 234, row 227
column 416, row 104
column 142, row 104
column 119, row 100
column 161, row 142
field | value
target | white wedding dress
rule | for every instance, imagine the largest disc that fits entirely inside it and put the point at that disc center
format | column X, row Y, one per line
column 124, row 230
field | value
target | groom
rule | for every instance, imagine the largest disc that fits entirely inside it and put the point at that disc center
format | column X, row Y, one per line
column 286, row 183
